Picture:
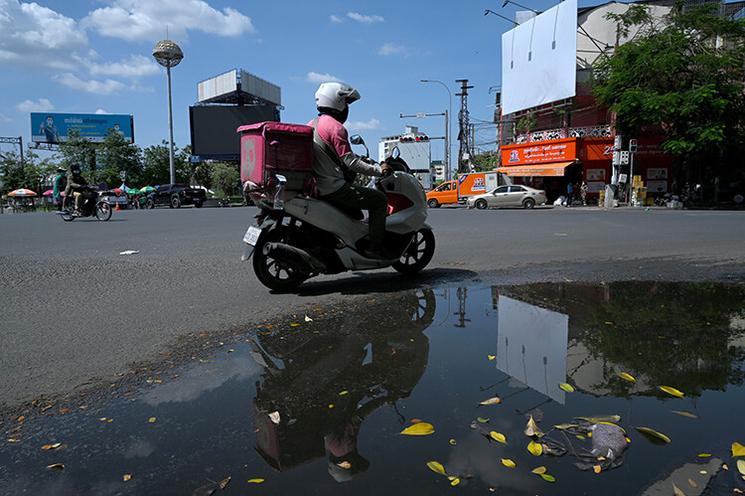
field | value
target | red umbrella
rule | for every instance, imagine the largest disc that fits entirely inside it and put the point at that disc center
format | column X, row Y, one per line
column 48, row 192
column 118, row 191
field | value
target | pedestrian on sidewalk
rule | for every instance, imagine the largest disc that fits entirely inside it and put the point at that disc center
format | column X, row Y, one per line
column 570, row 194
column 583, row 192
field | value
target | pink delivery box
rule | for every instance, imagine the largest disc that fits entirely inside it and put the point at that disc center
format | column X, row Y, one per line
column 271, row 148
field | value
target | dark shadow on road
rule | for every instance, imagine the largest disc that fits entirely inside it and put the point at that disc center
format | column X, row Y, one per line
column 382, row 282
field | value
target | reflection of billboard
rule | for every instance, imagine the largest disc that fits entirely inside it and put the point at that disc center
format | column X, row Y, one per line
column 539, row 59
column 55, row 128
column 532, row 346
column 213, row 128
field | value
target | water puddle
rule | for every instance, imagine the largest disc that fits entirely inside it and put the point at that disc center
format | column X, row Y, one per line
column 316, row 407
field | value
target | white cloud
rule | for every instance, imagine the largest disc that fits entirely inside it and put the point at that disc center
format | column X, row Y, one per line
column 90, row 85
column 336, row 19
column 132, row 67
column 365, row 19
column 147, row 20
column 391, row 48
column 317, row 77
column 368, row 125
column 40, row 105
column 101, row 111
column 38, row 36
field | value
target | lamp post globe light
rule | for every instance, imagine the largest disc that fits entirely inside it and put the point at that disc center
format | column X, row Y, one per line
column 168, row 54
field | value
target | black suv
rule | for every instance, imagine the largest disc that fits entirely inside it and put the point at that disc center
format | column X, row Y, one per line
column 175, row 195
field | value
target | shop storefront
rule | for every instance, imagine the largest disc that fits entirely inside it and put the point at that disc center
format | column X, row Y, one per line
column 552, row 164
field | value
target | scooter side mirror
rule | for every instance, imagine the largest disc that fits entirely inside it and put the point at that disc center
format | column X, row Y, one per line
column 356, row 139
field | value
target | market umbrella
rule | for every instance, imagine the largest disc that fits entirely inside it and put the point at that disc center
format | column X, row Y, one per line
column 147, row 189
column 132, row 191
column 48, row 192
column 22, row 193
column 118, row 191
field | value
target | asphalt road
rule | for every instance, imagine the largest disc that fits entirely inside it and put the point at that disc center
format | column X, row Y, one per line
column 75, row 311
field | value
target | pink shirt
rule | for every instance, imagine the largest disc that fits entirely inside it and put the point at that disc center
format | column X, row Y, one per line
column 333, row 132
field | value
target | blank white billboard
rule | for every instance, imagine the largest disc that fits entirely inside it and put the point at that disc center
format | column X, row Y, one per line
column 223, row 84
column 539, row 59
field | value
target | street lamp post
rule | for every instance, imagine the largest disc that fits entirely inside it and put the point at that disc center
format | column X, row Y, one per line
column 448, row 113
column 168, row 54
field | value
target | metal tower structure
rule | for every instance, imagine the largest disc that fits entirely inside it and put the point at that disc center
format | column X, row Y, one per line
column 464, row 132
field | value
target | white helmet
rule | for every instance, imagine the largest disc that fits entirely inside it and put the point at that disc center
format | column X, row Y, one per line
column 336, row 96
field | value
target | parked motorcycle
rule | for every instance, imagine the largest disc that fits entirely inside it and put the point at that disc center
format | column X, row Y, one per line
column 92, row 206
column 298, row 236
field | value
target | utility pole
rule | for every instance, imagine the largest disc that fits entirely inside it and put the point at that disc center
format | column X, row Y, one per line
column 464, row 136
column 448, row 116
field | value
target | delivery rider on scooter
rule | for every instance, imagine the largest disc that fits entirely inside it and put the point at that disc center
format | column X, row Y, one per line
column 335, row 165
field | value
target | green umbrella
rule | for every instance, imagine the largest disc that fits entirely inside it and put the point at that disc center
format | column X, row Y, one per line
column 147, row 189
column 132, row 191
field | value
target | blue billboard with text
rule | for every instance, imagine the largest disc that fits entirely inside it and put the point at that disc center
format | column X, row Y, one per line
column 55, row 127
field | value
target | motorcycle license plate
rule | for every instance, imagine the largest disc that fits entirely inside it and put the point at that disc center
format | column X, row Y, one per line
column 252, row 236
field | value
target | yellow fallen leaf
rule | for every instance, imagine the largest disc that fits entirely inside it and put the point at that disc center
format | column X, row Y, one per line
column 21, row 419
column 563, row 427
column 126, row 477
column 491, row 357
column 724, row 466
column 566, row 387
column 345, row 465
column 628, row 440
column 436, row 467
column 692, row 483
column 597, row 469
column 420, row 429
column 580, row 437
column 498, row 436
column 344, row 393
column 539, row 470
column 671, row 391
column 491, row 401
column 482, row 420
column 56, row 466
column 678, row 491
column 741, row 466
column 653, row 433
column 683, row 413
column 535, row 449
column 532, row 429
column 508, row 463
column 294, row 324
column 308, row 319
column 738, row 449
column 48, row 447
column 703, row 472
column 455, row 482
column 331, row 405
column 548, row 477
column 452, row 442
column 605, row 418
column 152, row 420
column 704, row 455
column 255, row 481
column 627, row 377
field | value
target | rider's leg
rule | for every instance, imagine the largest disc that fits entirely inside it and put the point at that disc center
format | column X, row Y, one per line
column 368, row 199
column 78, row 199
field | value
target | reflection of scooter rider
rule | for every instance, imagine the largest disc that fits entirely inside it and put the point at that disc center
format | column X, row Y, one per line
column 76, row 184
column 335, row 164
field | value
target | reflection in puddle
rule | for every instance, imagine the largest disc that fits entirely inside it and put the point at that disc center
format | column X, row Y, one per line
column 311, row 406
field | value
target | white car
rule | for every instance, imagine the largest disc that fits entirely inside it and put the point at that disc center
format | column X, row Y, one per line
column 509, row 196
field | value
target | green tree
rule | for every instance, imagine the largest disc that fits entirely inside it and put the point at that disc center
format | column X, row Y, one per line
column 226, row 178
column 80, row 151
column 684, row 77
column 116, row 155
column 156, row 166
column 34, row 173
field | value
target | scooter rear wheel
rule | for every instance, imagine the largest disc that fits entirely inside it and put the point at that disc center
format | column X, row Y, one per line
column 273, row 274
column 418, row 254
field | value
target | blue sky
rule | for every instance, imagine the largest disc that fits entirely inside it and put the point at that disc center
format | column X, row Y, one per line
column 89, row 55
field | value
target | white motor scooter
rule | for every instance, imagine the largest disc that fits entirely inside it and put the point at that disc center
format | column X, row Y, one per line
column 298, row 237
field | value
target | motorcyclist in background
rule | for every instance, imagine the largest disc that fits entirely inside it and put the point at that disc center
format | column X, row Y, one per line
column 335, row 165
column 75, row 186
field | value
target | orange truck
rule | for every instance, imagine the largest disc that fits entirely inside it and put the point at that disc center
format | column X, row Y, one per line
column 458, row 190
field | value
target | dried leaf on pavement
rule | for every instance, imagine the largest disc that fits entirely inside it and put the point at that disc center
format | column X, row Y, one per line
column 491, row 401
column 566, row 387
column 651, row 433
column 152, row 420
column 535, row 449
column 224, row 483
column 255, row 481
column 627, row 377
column 539, row 470
column 532, row 429
column 738, row 449
column 498, row 436
column 274, row 417
column 56, row 466
column 126, row 477
column 48, row 447
column 508, row 463
column 436, row 467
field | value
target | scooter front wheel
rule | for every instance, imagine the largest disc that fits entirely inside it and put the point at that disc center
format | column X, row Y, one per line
column 103, row 211
column 274, row 274
column 418, row 254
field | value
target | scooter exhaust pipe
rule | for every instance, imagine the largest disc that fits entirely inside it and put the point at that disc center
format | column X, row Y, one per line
column 294, row 256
